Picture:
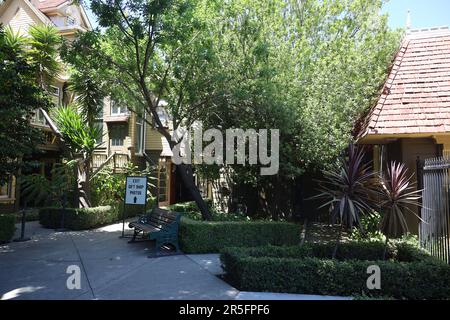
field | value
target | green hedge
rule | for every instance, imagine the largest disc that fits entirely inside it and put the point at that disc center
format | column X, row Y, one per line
column 410, row 274
column 207, row 237
column 7, row 227
column 80, row 219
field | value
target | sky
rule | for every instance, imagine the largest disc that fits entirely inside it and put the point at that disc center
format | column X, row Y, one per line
column 424, row 13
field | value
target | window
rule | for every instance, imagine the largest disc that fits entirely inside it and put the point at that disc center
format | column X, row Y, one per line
column 118, row 109
column 38, row 118
column 70, row 21
column 139, row 135
column 5, row 189
column 54, row 91
column 118, row 134
column 99, row 124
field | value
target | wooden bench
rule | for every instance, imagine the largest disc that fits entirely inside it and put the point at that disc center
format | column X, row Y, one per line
column 160, row 225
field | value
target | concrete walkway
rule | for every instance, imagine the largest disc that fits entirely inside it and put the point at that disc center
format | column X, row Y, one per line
column 110, row 268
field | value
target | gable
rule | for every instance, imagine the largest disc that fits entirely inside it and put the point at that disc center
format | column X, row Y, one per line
column 19, row 17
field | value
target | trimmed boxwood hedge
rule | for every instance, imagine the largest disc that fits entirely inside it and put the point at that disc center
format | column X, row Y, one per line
column 80, row 219
column 208, row 237
column 7, row 227
column 409, row 274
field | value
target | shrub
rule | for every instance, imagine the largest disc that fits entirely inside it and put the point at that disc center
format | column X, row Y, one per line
column 80, row 219
column 206, row 237
column 7, row 227
column 191, row 211
column 413, row 274
column 31, row 215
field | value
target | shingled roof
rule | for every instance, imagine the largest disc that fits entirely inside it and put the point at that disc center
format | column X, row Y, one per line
column 46, row 4
column 416, row 95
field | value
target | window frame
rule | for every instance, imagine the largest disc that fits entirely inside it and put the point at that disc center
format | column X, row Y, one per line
column 123, row 109
column 120, row 130
column 139, row 147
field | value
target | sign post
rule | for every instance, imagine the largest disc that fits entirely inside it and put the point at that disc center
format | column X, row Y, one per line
column 135, row 194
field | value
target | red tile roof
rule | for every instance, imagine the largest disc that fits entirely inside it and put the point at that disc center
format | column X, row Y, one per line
column 416, row 95
column 46, row 4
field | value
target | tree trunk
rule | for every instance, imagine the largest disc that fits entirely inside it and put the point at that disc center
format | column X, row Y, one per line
column 385, row 248
column 337, row 242
column 83, row 184
column 187, row 176
column 304, row 231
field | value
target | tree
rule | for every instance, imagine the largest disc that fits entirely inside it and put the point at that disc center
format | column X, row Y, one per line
column 19, row 97
column 43, row 50
column 152, row 51
column 81, row 142
column 90, row 93
column 309, row 68
column 398, row 198
column 350, row 191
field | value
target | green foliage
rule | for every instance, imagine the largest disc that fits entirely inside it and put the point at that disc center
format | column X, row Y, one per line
column 30, row 215
column 108, row 187
column 349, row 189
column 39, row 190
column 7, row 227
column 207, row 237
column 308, row 68
column 77, row 134
column 44, row 44
column 370, row 230
column 191, row 211
column 304, row 270
column 90, row 92
column 19, row 97
column 80, row 219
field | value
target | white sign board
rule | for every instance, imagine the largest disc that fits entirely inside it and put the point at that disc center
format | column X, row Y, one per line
column 136, row 190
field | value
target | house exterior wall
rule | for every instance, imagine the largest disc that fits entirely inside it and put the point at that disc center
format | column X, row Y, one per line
column 19, row 17
column 407, row 151
column 412, row 150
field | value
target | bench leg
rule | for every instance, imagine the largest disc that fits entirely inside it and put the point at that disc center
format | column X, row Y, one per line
column 134, row 236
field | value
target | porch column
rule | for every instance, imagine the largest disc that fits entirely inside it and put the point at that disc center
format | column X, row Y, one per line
column 445, row 141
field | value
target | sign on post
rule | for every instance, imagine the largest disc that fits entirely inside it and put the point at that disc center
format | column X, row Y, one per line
column 136, row 190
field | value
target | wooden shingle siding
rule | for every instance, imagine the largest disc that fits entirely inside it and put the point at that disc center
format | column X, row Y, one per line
column 19, row 18
column 153, row 140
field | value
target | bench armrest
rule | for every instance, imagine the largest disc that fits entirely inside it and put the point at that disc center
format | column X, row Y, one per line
column 143, row 218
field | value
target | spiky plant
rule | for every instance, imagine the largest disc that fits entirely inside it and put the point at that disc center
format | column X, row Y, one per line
column 398, row 198
column 14, row 41
column 349, row 190
column 80, row 139
column 90, row 93
column 43, row 49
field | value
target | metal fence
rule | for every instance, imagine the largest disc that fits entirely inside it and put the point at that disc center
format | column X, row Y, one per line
column 435, row 227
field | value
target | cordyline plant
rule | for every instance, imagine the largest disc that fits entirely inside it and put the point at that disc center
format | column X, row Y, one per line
column 398, row 197
column 350, row 191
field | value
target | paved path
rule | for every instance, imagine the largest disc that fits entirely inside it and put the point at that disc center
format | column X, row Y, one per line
column 111, row 268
